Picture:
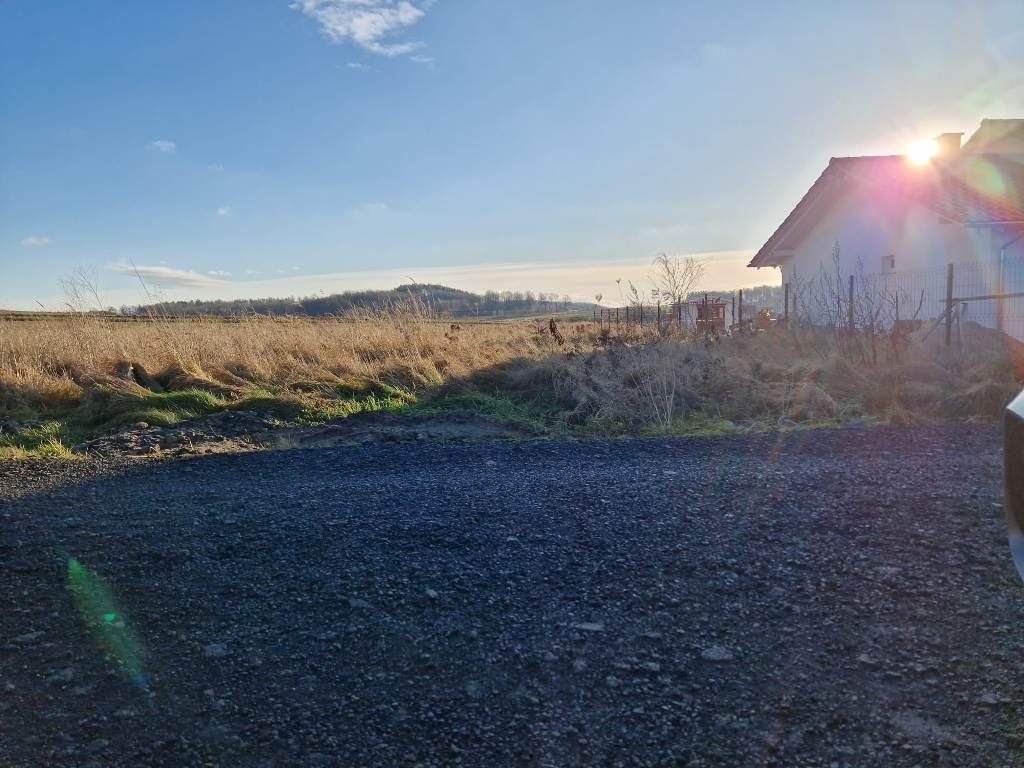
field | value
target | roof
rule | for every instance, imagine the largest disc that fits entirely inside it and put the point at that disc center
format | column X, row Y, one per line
column 971, row 188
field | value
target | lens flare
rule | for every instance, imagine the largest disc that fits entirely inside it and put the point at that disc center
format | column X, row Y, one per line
column 922, row 152
column 96, row 607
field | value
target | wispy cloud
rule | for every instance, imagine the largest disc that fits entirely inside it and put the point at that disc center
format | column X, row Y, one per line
column 162, row 145
column 167, row 277
column 367, row 23
column 252, row 271
column 35, row 241
column 224, row 210
column 219, row 273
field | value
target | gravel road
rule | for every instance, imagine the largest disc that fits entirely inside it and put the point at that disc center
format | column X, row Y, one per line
column 823, row 598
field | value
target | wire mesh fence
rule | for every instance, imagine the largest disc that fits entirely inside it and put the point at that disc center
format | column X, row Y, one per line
column 944, row 298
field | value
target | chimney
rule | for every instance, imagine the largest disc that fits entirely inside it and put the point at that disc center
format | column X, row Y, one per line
column 949, row 144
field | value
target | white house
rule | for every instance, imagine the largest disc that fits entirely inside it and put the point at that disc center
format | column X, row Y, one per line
column 910, row 215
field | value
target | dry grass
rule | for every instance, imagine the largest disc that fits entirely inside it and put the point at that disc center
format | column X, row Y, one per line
column 72, row 371
column 51, row 366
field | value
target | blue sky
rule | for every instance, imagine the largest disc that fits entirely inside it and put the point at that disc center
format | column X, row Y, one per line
column 275, row 147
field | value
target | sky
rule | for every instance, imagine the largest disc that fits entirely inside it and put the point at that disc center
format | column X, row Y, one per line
column 252, row 148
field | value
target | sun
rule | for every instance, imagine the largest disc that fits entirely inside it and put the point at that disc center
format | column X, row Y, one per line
column 922, row 152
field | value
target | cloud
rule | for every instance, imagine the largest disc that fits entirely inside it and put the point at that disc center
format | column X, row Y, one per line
column 367, row 23
column 723, row 271
column 420, row 59
column 356, row 65
column 251, row 271
column 35, row 241
column 166, row 277
column 216, row 167
column 219, row 273
column 224, row 210
column 162, row 145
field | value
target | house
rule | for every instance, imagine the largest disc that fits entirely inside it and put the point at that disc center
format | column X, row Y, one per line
column 905, row 215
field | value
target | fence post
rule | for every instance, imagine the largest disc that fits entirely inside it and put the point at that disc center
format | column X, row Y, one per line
column 1000, row 302
column 785, row 313
column 659, row 315
column 641, row 314
column 949, row 304
column 616, row 316
column 741, row 309
column 733, row 318
column 849, row 308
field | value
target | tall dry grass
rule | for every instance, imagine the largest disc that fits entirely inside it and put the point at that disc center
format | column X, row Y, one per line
column 51, row 364
column 628, row 380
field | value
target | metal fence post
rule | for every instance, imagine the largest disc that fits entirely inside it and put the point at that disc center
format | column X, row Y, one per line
column 949, row 304
column 849, row 307
column 741, row 308
column 785, row 314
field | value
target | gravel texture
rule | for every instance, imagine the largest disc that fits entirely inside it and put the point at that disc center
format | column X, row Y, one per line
column 822, row 598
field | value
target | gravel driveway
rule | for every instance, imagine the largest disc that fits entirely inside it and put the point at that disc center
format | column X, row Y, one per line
column 824, row 598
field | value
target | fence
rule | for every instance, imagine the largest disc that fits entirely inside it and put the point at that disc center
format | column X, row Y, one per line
column 943, row 298
column 708, row 314
column 946, row 297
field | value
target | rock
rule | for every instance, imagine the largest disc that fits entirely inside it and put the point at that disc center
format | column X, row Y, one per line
column 992, row 699
column 143, row 378
column 612, row 682
column 589, row 626
column 579, row 665
column 123, row 370
column 61, row 675
column 355, row 602
column 214, row 650
column 432, row 593
column 717, row 653
column 29, row 637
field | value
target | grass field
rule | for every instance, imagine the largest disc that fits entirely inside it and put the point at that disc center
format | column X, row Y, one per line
column 72, row 377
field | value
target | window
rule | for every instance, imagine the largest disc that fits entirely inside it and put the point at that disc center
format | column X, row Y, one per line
column 889, row 263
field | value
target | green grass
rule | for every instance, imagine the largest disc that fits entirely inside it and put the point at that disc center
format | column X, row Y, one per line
column 51, row 439
column 104, row 410
column 108, row 409
column 530, row 416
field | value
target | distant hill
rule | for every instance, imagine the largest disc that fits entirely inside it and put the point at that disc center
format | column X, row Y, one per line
column 436, row 299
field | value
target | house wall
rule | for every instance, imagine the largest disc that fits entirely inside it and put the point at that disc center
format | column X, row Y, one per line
column 869, row 227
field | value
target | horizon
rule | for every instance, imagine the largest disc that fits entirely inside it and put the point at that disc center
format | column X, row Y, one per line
column 299, row 148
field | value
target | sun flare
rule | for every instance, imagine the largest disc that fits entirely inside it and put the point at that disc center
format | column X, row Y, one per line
column 922, row 152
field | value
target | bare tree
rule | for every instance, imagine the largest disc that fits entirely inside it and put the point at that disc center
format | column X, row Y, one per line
column 675, row 277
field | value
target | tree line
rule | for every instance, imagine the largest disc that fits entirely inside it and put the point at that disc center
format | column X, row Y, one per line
column 435, row 299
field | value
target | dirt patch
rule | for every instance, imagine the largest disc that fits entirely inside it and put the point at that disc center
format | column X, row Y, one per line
column 375, row 428
column 233, row 431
